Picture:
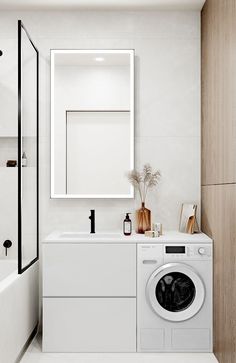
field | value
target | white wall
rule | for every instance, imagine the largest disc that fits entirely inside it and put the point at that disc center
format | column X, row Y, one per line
column 98, row 153
column 8, row 211
column 167, row 105
column 85, row 88
column 9, row 143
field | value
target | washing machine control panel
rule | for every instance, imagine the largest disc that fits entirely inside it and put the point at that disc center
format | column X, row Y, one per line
column 187, row 251
column 202, row 251
column 151, row 254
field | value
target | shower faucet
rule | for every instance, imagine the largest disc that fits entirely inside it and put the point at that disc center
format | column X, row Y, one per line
column 92, row 219
column 7, row 244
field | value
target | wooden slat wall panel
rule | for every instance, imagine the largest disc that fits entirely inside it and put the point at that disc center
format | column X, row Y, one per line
column 219, row 164
column 219, row 222
column 219, row 92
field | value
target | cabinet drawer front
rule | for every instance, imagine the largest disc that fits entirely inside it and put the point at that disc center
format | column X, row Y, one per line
column 89, row 324
column 89, row 270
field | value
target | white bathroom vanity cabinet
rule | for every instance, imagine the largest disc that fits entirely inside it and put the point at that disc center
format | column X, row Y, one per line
column 89, row 297
column 90, row 289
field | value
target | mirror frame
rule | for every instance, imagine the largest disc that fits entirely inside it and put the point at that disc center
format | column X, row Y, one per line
column 53, row 52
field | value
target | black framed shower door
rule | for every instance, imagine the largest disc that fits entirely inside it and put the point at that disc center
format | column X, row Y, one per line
column 28, row 150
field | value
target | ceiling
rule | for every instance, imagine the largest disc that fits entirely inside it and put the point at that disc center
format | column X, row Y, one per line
column 75, row 58
column 101, row 4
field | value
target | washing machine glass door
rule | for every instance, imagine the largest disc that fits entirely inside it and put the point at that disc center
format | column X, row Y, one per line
column 175, row 292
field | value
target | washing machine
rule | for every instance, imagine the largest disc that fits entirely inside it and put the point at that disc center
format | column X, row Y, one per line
column 174, row 297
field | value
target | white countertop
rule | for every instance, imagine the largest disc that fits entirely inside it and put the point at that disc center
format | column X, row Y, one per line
column 118, row 237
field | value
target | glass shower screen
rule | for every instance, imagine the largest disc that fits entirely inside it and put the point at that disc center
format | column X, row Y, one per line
column 27, row 150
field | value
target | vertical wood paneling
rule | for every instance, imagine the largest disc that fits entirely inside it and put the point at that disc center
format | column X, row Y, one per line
column 219, row 222
column 219, row 92
column 219, row 164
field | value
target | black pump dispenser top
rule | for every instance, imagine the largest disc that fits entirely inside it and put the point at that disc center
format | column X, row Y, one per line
column 127, row 216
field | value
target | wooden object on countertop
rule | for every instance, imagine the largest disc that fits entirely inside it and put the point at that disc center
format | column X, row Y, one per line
column 188, row 219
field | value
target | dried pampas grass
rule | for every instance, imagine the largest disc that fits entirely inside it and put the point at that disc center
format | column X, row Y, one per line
column 144, row 180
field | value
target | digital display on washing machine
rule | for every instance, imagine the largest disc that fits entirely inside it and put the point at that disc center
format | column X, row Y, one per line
column 175, row 249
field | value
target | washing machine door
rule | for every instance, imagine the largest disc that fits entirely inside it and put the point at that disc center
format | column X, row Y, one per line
column 175, row 292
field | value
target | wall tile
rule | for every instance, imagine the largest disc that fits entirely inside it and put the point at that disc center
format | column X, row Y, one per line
column 167, row 88
column 166, row 25
column 167, row 83
column 177, row 158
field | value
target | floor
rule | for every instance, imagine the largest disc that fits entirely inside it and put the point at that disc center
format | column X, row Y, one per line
column 34, row 355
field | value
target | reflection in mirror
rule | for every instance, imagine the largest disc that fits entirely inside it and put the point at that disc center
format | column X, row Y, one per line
column 92, row 123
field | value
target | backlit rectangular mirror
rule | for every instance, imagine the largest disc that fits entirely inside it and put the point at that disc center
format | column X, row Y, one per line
column 92, row 123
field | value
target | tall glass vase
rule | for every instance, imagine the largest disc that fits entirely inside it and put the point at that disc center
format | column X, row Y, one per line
column 143, row 219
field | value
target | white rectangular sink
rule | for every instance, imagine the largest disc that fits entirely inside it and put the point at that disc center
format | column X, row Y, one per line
column 82, row 235
column 118, row 237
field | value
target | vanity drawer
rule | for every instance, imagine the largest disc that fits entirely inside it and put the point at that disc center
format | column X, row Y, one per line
column 89, row 270
column 89, row 324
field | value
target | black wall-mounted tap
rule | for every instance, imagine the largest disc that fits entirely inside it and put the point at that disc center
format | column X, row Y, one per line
column 7, row 244
column 92, row 219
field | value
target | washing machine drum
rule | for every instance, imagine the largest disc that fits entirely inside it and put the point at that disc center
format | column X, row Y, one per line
column 175, row 292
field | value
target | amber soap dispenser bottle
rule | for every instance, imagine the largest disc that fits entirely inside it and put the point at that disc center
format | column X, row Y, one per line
column 127, row 225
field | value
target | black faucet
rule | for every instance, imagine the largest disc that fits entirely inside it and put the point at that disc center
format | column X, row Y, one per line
column 7, row 244
column 92, row 218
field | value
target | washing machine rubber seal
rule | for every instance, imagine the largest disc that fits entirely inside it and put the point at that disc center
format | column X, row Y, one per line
column 195, row 305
